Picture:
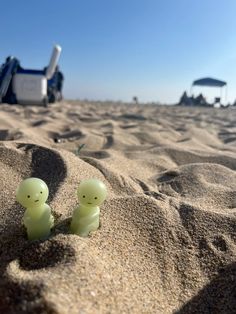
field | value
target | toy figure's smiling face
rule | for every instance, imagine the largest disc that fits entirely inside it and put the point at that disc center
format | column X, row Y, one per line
column 32, row 192
column 92, row 192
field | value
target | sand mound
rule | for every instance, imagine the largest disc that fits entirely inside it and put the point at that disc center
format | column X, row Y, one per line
column 167, row 238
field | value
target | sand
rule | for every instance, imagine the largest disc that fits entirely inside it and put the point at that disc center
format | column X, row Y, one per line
column 167, row 241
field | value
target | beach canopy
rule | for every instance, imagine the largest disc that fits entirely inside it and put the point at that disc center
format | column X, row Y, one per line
column 209, row 82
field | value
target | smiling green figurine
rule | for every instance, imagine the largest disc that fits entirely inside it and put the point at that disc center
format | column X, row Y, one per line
column 91, row 194
column 32, row 194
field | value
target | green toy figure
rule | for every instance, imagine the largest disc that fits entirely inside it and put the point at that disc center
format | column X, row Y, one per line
column 32, row 194
column 91, row 194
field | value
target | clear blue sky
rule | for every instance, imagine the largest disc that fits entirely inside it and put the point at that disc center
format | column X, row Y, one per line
column 115, row 49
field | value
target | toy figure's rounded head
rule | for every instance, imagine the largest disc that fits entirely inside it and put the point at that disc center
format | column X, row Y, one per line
column 92, row 192
column 32, row 192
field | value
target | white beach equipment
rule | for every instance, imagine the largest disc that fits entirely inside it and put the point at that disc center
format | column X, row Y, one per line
column 53, row 62
column 30, row 86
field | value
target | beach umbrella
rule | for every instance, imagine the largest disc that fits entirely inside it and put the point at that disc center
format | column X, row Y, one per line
column 210, row 82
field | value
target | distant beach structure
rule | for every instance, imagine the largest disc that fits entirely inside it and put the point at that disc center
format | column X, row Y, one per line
column 200, row 100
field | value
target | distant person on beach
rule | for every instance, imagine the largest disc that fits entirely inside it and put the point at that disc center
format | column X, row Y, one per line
column 185, row 100
column 200, row 100
column 135, row 100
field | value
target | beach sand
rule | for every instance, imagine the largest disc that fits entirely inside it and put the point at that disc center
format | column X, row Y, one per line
column 167, row 241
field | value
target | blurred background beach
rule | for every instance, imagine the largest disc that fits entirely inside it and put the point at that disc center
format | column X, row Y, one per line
column 114, row 50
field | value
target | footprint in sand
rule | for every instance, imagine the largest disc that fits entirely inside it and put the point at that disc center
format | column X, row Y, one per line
column 46, row 164
column 109, row 141
column 39, row 123
column 100, row 154
column 67, row 136
column 10, row 135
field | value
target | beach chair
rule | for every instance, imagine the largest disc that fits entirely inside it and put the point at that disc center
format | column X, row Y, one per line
column 26, row 86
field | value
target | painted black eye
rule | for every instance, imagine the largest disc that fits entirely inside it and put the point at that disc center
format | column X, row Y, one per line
column 41, row 192
column 83, row 196
column 28, row 196
column 95, row 198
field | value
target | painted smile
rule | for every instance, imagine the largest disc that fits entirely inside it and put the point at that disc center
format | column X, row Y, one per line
column 36, row 201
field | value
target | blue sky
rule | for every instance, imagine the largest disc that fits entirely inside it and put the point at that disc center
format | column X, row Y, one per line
column 115, row 49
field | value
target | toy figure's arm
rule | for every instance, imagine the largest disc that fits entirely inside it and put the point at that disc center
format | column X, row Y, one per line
column 75, row 216
column 88, row 219
column 26, row 219
column 49, row 214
